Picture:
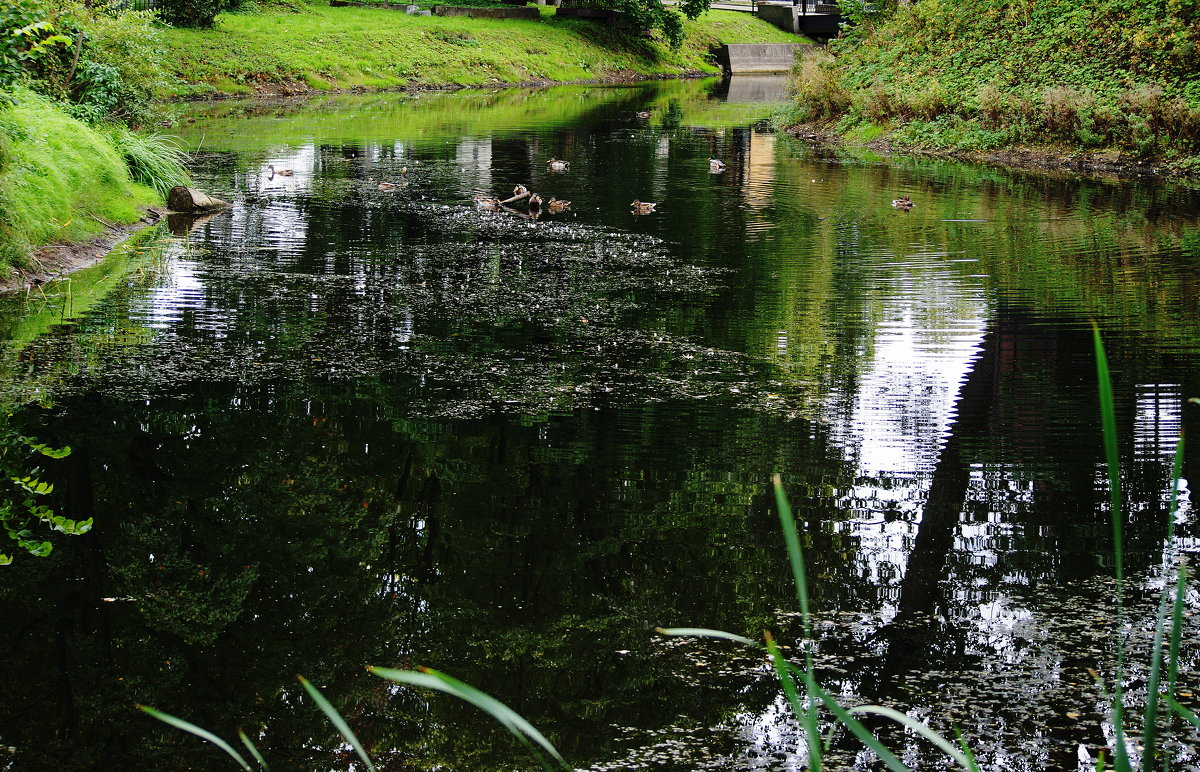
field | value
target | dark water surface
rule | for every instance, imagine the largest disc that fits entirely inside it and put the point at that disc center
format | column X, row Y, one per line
column 341, row 426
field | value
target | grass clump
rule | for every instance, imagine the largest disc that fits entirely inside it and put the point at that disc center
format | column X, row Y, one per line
column 60, row 180
column 154, row 160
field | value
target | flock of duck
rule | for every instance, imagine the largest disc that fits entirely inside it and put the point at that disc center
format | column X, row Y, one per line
column 534, row 202
column 536, row 205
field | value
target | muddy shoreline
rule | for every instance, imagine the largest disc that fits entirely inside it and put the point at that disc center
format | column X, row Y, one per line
column 54, row 261
column 1095, row 164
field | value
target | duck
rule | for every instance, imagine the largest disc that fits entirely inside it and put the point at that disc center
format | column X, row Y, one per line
column 642, row 207
column 279, row 172
column 555, row 205
column 486, row 202
column 519, row 192
column 535, row 202
column 904, row 202
column 386, row 185
column 715, row 166
column 558, row 166
column 643, row 113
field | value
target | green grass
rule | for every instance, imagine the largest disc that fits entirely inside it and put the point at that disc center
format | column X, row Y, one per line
column 341, row 48
column 60, row 180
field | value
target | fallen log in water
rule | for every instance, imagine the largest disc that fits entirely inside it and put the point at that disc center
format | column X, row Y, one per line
column 185, row 199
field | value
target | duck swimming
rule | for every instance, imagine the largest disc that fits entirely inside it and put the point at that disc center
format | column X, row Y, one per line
column 642, row 207
column 486, row 202
column 715, row 166
column 555, row 206
column 904, row 202
column 279, row 172
column 558, row 166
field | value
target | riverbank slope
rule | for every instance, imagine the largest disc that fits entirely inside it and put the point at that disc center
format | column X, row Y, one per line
column 62, row 182
column 319, row 48
column 1103, row 79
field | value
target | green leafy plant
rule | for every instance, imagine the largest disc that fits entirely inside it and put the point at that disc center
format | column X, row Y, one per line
column 26, row 36
column 22, row 513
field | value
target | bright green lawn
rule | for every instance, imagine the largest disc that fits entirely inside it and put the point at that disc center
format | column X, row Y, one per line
column 342, row 47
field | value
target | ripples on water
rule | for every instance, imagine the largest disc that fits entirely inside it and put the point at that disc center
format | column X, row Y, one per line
column 511, row 447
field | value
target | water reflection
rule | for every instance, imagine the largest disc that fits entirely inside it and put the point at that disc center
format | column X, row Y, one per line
column 340, row 424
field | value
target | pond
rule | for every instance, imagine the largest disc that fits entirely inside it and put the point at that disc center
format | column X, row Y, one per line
column 344, row 424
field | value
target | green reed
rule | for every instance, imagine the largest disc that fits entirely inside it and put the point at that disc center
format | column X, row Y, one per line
column 799, row 684
column 1172, row 600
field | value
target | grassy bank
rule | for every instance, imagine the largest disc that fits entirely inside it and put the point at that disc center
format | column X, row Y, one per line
column 327, row 48
column 1105, row 76
column 60, row 180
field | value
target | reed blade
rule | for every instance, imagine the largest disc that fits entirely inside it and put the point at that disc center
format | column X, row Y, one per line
column 203, row 734
column 908, row 722
column 1108, row 425
column 1187, row 715
column 806, row 714
column 428, row 678
column 262, row 763
column 861, row 732
column 1150, row 717
column 795, row 554
column 336, row 719
column 704, row 632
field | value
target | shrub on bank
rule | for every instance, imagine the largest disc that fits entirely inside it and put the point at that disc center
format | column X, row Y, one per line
column 1103, row 74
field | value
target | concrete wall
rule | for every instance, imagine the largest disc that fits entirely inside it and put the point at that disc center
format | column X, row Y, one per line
column 486, row 13
column 782, row 16
column 603, row 15
column 822, row 20
column 758, row 57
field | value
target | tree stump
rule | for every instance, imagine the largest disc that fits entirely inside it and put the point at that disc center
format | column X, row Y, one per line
column 185, row 199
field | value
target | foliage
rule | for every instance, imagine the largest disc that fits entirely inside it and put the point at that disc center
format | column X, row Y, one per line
column 25, row 37
column 1104, row 74
column 22, row 514
column 198, row 14
column 103, row 61
column 653, row 15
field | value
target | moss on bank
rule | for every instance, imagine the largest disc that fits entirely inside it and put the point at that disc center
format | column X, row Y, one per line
column 325, row 48
column 60, row 180
column 985, row 74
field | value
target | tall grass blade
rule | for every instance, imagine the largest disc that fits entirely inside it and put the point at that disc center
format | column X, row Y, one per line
column 704, row 632
column 1176, row 629
column 795, row 555
column 806, row 714
column 1108, row 424
column 1150, row 717
column 336, row 719
column 1188, row 715
column 861, row 732
column 203, row 734
column 428, row 678
column 908, row 722
column 962, row 744
column 262, row 763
